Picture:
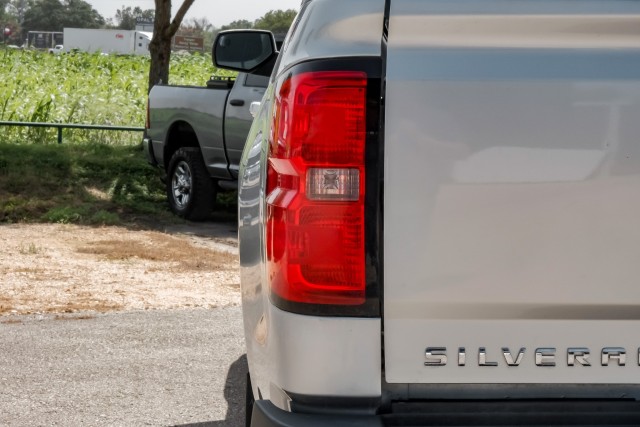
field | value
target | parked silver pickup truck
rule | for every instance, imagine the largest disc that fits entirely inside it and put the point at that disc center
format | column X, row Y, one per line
column 439, row 215
column 197, row 135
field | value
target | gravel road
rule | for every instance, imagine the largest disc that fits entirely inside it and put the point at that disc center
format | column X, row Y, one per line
column 182, row 367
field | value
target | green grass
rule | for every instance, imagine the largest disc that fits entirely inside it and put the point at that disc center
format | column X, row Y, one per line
column 79, row 183
column 94, row 177
column 83, row 88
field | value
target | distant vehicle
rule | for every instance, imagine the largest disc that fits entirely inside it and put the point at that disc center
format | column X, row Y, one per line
column 107, row 41
column 57, row 50
column 44, row 40
column 197, row 134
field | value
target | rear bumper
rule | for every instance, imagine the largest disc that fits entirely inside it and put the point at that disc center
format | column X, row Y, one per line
column 468, row 413
column 265, row 414
column 147, row 146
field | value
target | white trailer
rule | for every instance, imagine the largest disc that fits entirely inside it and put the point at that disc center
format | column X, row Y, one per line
column 107, row 41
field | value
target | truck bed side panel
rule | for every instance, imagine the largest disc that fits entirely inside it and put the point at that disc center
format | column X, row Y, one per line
column 202, row 109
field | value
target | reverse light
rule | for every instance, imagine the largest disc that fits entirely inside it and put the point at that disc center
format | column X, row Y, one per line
column 315, row 189
column 333, row 184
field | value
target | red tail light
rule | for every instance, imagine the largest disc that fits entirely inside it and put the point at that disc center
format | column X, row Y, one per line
column 315, row 189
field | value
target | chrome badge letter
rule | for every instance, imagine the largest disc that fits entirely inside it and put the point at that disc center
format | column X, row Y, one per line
column 578, row 354
column 616, row 353
column 435, row 356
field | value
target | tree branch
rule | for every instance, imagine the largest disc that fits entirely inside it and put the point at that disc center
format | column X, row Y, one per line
column 177, row 20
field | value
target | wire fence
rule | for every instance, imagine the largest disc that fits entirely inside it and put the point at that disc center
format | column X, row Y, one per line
column 61, row 126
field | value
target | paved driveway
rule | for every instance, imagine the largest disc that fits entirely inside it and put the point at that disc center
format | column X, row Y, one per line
column 151, row 368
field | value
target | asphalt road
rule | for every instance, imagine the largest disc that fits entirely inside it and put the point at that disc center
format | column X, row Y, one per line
column 152, row 368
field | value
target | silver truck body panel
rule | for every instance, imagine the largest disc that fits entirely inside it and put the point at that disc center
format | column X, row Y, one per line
column 347, row 363
column 288, row 352
column 332, row 29
column 511, row 191
column 202, row 109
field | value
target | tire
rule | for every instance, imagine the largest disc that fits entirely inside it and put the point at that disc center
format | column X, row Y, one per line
column 190, row 189
column 249, row 400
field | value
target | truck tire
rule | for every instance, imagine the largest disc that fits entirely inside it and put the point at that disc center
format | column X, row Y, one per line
column 190, row 189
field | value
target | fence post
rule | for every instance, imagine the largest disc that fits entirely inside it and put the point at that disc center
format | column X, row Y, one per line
column 59, row 134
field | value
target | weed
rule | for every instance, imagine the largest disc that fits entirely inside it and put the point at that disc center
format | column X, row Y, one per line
column 103, row 217
column 31, row 249
column 66, row 214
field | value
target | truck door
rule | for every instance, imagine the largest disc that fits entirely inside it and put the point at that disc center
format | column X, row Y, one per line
column 248, row 88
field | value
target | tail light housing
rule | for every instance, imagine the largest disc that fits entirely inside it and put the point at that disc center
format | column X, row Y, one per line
column 315, row 229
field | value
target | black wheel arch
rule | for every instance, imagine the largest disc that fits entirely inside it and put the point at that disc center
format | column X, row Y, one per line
column 180, row 134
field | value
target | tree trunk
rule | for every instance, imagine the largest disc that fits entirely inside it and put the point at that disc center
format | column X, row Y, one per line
column 163, row 31
column 160, row 50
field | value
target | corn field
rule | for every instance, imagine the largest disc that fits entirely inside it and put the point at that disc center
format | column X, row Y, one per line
column 82, row 88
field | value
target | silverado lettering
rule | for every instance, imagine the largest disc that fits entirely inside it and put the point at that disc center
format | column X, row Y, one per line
column 543, row 356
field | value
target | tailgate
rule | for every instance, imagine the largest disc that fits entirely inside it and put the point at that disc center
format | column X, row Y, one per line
column 512, row 192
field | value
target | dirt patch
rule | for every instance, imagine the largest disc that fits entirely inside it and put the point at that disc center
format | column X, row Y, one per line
column 52, row 268
column 172, row 253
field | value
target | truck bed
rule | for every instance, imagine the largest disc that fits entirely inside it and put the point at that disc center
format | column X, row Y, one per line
column 201, row 107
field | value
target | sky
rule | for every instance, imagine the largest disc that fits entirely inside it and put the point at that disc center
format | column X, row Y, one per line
column 218, row 12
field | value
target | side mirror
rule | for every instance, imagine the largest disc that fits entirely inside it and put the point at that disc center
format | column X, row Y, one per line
column 248, row 51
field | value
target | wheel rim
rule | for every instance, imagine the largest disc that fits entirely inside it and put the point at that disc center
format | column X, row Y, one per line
column 181, row 185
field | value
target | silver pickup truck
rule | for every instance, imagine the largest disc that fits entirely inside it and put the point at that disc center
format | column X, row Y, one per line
column 439, row 215
column 197, row 135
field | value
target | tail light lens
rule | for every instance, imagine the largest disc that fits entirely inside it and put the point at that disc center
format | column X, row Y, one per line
column 315, row 189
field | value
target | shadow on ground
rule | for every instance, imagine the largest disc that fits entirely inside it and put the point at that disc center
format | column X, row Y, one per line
column 234, row 394
column 225, row 231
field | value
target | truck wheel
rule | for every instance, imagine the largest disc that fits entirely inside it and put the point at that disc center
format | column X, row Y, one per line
column 190, row 190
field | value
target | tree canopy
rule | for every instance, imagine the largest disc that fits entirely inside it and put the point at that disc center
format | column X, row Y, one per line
column 3, row 6
column 54, row 15
column 22, row 16
column 276, row 21
column 16, row 8
column 237, row 25
column 127, row 16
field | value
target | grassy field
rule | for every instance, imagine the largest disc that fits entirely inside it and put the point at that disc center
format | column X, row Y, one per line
column 94, row 177
column 82, row 88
